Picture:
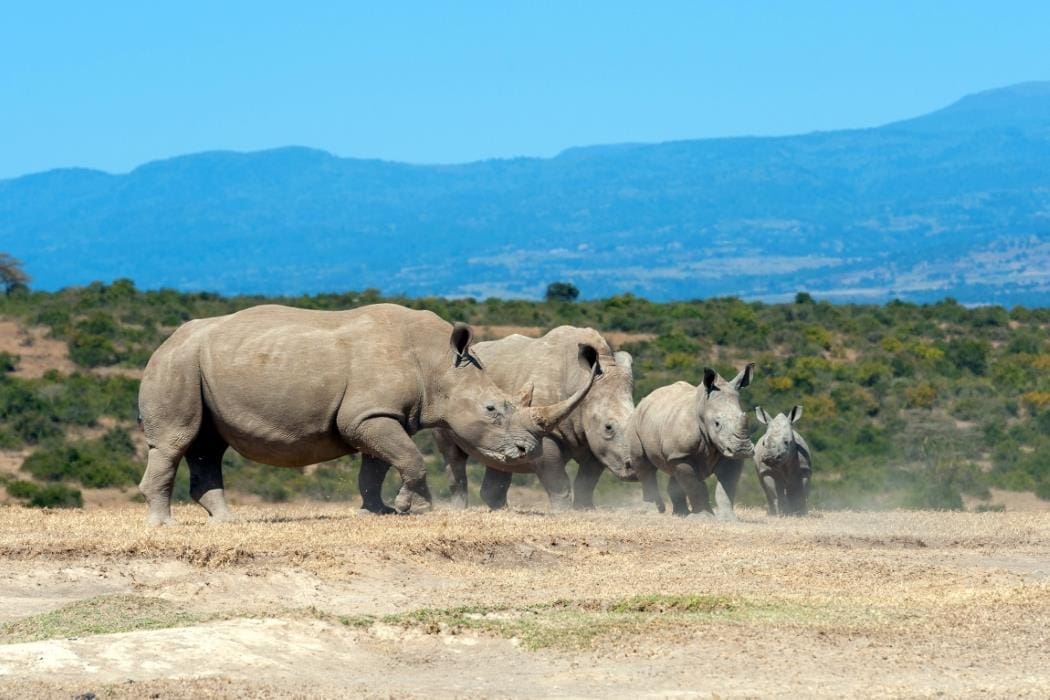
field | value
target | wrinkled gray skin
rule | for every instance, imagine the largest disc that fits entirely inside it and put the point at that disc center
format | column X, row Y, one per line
column 782, row 460
column 291, row 387
column 690, row 432
column 595, row 434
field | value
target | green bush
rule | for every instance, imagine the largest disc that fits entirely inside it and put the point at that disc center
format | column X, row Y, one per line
column 48, row 496
column 968, row 354
column 88, row 350
column 92, row 463
column 8, row 362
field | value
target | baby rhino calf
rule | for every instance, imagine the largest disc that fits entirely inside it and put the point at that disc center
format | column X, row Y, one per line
column 783, row 463
column 690, row 432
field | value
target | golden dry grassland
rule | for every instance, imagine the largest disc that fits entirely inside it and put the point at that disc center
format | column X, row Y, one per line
column 319, row 600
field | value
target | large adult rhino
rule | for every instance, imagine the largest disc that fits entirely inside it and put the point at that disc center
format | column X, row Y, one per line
column 291, row 387
column 690, row 432
column 595, row 434
column 783, row 463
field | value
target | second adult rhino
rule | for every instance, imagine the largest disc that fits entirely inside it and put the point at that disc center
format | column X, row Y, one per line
column 595, row 434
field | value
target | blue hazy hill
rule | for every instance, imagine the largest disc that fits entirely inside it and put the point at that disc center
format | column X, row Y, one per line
column 956, row 202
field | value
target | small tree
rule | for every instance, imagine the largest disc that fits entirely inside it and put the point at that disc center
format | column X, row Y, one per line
column 562, row 291
column 12, row 276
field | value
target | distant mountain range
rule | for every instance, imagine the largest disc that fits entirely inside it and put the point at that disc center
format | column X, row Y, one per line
column 953, row 203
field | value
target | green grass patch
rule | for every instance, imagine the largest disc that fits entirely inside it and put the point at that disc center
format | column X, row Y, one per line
column 101, row 615
column 575, row 625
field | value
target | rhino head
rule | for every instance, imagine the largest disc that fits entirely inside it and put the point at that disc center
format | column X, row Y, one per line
column 606, row 414
column 722, row 420
column 778, row 444
column 502, row 428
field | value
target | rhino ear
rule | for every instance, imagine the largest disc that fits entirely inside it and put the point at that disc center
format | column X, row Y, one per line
column 795, row 414
column 709, row 379
column 460, row 341
column 762, row 416
column 524, row 398
column 624, row 360
column 744, row 378
column 589, row 359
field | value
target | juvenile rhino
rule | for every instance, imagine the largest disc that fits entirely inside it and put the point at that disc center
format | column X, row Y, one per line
column 782, row 460
column 595, row 434
column 690, row 432
column 291, row 387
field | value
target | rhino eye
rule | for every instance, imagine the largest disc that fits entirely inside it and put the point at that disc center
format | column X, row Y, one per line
column 718, row 423
column 490, row 408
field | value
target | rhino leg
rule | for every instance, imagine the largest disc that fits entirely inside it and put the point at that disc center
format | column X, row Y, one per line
column 494, row 487
column 385, row 439
column 586, row 480
column 650, row 486
column 552, row 474
column 727, row 474
column 769, row 485
column 797, row 494
column 206, row 484
column 782, row 498
column 679, row 503
column 370, row 484
column 158, row 482
column 694, row 487
column 171, row 413
column 804, row 505
column 456, row 469
column 206, row 487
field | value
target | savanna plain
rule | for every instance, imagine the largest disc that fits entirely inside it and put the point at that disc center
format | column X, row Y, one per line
column 320, row 600
column 922, row 570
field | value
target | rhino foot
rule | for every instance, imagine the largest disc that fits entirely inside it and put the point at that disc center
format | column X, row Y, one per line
column 158, row 519
column 410, row 500
column 381, row 509
column 220, row 518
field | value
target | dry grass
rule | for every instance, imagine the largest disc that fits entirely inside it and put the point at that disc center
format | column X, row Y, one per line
column 905, row 603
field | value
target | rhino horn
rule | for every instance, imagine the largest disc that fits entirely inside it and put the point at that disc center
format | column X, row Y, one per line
column 524, row 397
column 547, row 417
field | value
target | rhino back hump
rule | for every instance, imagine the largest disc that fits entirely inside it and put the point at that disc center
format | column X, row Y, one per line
column 550, row 362
column 276, row 375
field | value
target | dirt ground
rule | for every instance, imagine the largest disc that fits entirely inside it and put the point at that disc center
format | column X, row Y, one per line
column 36, row 351
column 319, row 600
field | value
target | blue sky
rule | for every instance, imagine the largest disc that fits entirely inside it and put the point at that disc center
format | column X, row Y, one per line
column 112, row 85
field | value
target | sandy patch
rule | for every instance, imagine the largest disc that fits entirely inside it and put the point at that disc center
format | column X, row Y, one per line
column 322, row 601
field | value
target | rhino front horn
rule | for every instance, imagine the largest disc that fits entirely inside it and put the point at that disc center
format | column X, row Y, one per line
column 547, row 418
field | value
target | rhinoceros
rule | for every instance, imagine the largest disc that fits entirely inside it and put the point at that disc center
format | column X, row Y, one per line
column 690, row 432
column 595, row 434
column 291, row 387
column 782, row 459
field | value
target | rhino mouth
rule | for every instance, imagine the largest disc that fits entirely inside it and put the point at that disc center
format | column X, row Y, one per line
column 623, row 470
column 742, row 451
column 509, row 455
